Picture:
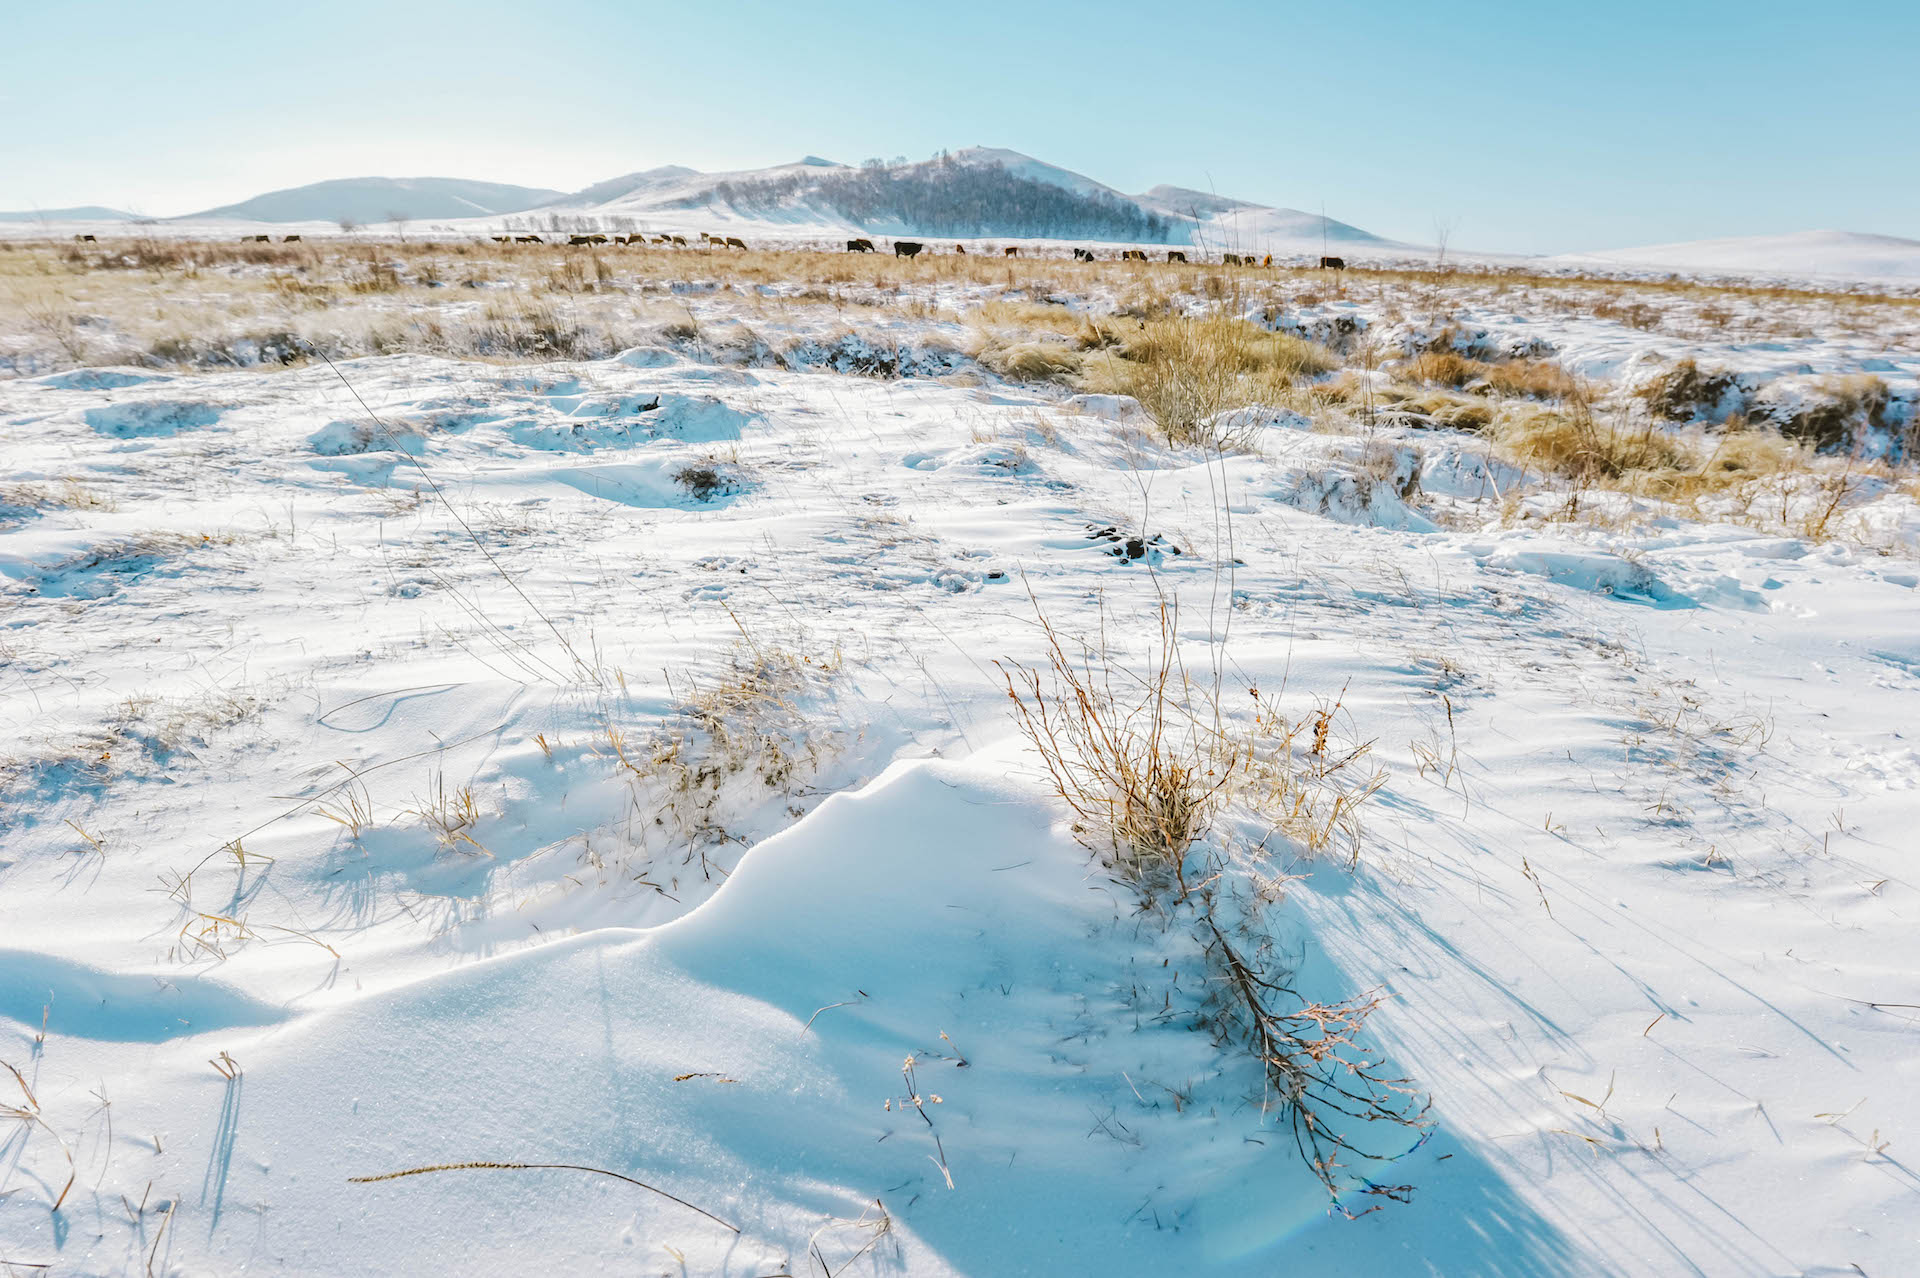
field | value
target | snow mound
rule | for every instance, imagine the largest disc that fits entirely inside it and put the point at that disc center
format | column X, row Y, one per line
column 748, row 1058
column 656, row 483
column 648, row 357
column 151, row 417
column 1582, row 568
column 91, row 379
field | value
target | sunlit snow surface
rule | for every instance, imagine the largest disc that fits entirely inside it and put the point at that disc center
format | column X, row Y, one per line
column 1650, row 945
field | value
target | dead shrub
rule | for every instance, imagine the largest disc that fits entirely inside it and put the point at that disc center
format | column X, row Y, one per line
column 1144, row 773
column 1686, row 393
column 1142, row 778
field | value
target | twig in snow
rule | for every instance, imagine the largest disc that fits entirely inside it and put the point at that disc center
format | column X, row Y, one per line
column 491, row 1166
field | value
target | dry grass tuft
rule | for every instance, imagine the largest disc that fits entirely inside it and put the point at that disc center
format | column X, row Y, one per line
column 1294, row 775
column 1531, row 379
column 1187, row 370
column 1576, row 445
column 1030, row 361
column 1445, row 368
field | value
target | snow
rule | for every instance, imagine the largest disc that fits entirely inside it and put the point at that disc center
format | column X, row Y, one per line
column 1645, row 930
column 1818, row 254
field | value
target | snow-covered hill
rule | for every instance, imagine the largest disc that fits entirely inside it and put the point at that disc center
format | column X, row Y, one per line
column 1848, row 254
column 979, row 191
column 379, row 199
column 83, row 213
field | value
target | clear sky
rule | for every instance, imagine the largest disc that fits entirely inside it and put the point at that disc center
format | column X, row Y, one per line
column 1542, row 126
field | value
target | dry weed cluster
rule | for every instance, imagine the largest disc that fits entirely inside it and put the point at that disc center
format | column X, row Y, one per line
column 1145, row 766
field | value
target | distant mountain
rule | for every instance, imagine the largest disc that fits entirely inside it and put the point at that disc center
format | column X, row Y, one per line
column 628, row 186
column 1853, row 254
column 377, row 199
column 82, row 213
column 976, row 192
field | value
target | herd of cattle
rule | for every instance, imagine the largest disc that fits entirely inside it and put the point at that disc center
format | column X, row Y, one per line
column 901, row 248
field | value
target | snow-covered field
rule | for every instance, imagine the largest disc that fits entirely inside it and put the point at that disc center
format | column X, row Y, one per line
column 609, row 763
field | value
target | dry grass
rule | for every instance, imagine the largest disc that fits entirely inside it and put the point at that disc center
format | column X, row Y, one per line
column 1142, row 776
column 737, row 738
column 1530, row 379
column 1295, row 775
column 1576, row 444
column 1686, row 392
column 1144, row 768
column 1444, row 368
column 1187, row 370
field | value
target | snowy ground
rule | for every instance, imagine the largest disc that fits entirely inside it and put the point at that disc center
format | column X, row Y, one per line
column 354, row 820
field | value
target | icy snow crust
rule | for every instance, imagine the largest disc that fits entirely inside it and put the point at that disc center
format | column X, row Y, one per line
column 1649, row 940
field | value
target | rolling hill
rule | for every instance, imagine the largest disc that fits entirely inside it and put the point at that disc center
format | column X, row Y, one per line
column 378, row 199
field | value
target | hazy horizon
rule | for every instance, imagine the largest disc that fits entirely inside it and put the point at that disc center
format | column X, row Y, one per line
column 1588, row 128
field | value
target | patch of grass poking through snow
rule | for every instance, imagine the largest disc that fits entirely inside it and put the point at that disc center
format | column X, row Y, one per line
column 1294, row 775
column 1186, row 371
column 736, row 740
column 1145, row 770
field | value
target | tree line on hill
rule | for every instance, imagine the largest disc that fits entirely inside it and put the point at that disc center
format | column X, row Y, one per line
column 941, row 197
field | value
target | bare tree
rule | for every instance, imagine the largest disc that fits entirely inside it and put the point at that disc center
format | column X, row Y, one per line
column 1442, row 232
column 399, row 218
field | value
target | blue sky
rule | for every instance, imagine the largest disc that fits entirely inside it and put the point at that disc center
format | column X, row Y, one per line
column 1530, row 127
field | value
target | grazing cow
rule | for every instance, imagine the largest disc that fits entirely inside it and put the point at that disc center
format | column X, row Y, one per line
column 503, row 239
column 84, row 239
column 528, row 239
column 577, row 240
column 859, row 246
column 1231, row 259
column 681, row 240
column 1134, row 255
column 734, row 241
column 961, row 249
column 1083, row 255
column 906, row 248
column 289, row 239
column 1333, row 263
column 256, row 239
column 1010, row 251
column 1175, row 255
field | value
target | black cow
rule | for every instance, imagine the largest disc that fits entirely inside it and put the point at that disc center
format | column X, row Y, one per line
column 1333, row 263
column 961, row 249
column 906, row 248
column 859, row 246
column 528, row 239
column 289, row 239
column 1010, row 251
column 1175, row 255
